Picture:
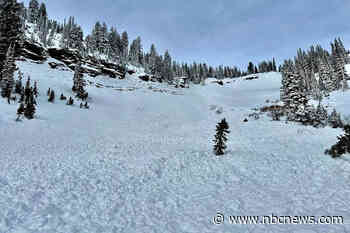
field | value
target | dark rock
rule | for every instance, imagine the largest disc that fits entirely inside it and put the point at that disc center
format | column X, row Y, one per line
column 31, row 51
column 144, row 78
column 65, row 55
column 110, row 72
column 251, row 77
column 55, row 65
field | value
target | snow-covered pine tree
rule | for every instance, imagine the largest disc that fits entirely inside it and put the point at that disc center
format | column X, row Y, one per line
column 29, row 101
column 79, row 83
column 10, row 27
column 292, row 94
column 125, row 45
column 159, row 67
column 222, row 129
column 342, row 146
column 287, row 69
column 33, row 11
column 42, row 11
column 20, row 111
column 30, row 109
column 35, row 89
column 18, row 85
column 43, row 30
column 135, row 52
column 326, row 74
column 152, row 59
column 334, row 120
column 114, row 41
column 76, row 77
column 321, row 113
column 7, row 81
column 76, row 39
column 167, row 72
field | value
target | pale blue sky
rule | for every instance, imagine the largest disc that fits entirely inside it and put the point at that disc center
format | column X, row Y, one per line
column 228, row 32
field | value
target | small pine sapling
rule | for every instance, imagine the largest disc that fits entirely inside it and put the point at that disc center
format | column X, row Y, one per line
column 20, row 111
column 35, row 90
column 52, row 96
column 62, row 97
column 221, row 137
column 70, row 101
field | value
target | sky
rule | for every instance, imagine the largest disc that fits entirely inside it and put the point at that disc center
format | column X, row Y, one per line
column 220, row 32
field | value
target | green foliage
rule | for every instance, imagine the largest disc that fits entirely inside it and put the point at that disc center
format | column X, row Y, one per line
column 342, row 146
column 221, row 137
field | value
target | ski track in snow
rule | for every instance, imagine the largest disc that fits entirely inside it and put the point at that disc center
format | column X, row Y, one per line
column 142, row 161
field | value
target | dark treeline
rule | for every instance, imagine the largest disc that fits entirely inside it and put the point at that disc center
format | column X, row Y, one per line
column 264, row 66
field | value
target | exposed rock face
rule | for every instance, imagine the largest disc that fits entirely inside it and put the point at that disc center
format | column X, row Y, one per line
column 66, row 56
column 69, row 58
column 32, row 51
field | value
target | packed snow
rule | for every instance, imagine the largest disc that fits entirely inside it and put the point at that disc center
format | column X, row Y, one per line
column 141, row 160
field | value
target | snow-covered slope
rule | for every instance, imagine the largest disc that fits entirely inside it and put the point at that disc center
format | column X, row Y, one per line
column 140, row 160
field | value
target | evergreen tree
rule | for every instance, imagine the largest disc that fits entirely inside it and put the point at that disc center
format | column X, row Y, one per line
column 79, row 82
column 33, row 9
column 70, row 101
column 42, row 13
column 135, row 52
column 20, row 111
column 18, row 85
column 114, row 43
column 21, row 100
column 167, row 72
column 52, row 96
column 342, row 146
column 221, row 137
column 251, row 68
column 274, row 67
column 7, row 81
column 29, row 101
column 152, row 59
column 35, row 89
column 10, row 27
column 293, row 95
column 334, row 120
column 125, row 45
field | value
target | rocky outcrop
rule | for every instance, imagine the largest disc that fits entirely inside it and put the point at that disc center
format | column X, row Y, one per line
column 32, row 51
column 65, row 55
column 69, row 58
